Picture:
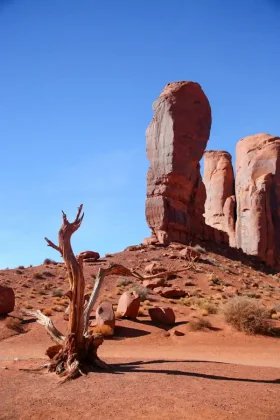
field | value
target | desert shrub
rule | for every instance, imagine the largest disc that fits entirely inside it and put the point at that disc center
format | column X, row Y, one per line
column 48, row 274
column 141, row 311
column 58, row 308
column 124, row 282
column 207, row 306
column 142, row 291
column 21, row 267
column 47, row 311
column 199, row 324
column 105, row 330
column 49, row 261
column 58, row 293
column 200, row 249
column 247, row 315
column 15, row 325
column 37, row 276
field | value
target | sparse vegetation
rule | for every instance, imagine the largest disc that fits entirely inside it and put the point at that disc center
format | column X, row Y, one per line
column 200, row 249
column 58, row 293
column 207, row 306
column 47, row 311
column 142, row 291
column 21, row 267
column 19, row 271
column 247, row 315
column 105, row 330
column 15, row 325
column 124, row 282
column 48, row 261
column 37, row 276
column 48, row 274
column 198, row 324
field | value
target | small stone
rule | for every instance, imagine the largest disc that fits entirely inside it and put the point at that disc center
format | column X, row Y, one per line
column 178, row 333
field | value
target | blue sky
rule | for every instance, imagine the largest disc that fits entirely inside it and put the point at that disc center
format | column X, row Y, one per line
column 77, row 82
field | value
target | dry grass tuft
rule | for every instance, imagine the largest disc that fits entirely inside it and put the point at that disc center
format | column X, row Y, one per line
column 58, row 308
column 15, row 325
column 247, row 315
column 124, row 282
column 118, row 315
column 142, row 291
column 58, row 293
column 37, row 276
column 105, row 330
column 199, row 324
column 47, row 311
column 141, row 311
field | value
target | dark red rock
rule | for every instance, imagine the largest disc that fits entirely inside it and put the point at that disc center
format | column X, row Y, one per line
column 162, row 315
column 7, row 300
column 152, row 284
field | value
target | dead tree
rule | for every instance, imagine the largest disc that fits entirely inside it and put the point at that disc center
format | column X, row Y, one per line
column 76, row 353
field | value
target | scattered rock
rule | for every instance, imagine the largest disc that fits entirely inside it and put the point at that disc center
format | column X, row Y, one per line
column 105, row 314
column 178, row 333
column 170, row 292
column 162, row 315
column 190, row 253
column 7, row 300
column 152, row 284
column 129, row 304
column 154, row 268
column 134, row 247
column 91, row 256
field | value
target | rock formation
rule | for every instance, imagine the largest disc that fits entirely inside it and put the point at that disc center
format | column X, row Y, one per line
column 176, row 140
column 162, row 315
column 129, row 304
column 258, row 196
column 105, row 314
column 7, row 300
column 220, row 200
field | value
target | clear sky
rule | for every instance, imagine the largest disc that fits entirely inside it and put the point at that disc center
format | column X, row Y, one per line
column 77, row 82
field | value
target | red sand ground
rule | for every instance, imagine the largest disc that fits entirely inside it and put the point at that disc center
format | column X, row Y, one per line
column 218, row 373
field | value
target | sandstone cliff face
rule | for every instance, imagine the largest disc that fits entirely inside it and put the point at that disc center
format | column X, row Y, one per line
column 220, row 200
column 176, row 140
column 258, row 196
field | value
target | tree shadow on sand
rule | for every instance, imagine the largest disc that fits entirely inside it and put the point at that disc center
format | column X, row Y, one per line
column 130, row 367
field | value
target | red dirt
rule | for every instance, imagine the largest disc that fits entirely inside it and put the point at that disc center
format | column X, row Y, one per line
column 218, row 373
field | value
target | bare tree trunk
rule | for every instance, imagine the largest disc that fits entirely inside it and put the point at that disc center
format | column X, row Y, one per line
column 76, row 354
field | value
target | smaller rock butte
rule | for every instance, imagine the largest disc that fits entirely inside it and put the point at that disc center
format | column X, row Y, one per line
column 220, row 192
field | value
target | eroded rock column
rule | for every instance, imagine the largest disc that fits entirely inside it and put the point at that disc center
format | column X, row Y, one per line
column 220, row 199
column 258, row 196
column 176, row 140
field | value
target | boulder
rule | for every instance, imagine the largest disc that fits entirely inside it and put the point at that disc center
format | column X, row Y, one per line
column 129, row 304
column 258, row 197
column 170, row 292
column 190, row 253
column 105, row 314
column 93, row 256
column 162, row 315
column 175, row 141
column 152, row 284
column 154, row 268
column 7, row 300
column 220, row 200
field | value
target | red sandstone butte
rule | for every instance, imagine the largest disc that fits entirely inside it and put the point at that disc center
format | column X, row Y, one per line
column 175, row 141
column 220, row 200
column 258, row 196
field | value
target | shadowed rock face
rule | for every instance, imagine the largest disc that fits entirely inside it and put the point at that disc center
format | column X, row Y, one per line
column 258, row 196
column 219, row 183
column 176, row 140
